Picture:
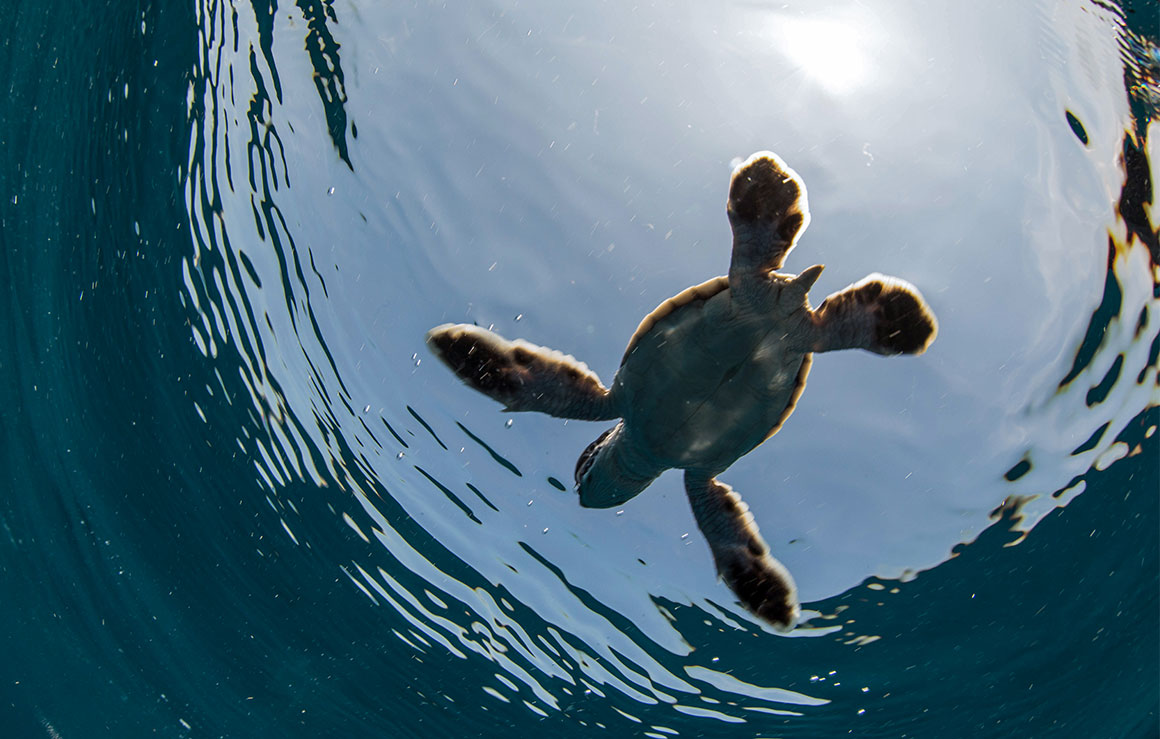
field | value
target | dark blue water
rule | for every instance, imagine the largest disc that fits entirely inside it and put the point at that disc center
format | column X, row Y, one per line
column 239, row 500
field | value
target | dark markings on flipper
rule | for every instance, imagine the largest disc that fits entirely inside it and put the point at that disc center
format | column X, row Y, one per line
column 905, row 325
column 521, row 375
column 761, row 589
column 768, row 210
column 759, row 581
column 883, row 314
column 763, row 190
column 766, row 596
column 479, row 362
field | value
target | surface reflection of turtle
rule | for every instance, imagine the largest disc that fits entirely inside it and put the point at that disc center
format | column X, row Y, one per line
column 708, row 376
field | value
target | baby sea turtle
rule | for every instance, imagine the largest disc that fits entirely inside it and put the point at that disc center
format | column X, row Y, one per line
column 708, row 376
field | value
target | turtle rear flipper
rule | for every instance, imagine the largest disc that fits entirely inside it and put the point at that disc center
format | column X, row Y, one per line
column 883, row 314
column 522, row 376
column 760, row 582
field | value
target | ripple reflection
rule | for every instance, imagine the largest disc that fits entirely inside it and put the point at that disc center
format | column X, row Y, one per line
column 321, row 251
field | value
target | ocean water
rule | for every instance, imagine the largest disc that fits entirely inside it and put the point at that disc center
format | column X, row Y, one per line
column 240, row 497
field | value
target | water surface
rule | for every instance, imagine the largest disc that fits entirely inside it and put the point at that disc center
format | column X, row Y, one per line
column 245, row 500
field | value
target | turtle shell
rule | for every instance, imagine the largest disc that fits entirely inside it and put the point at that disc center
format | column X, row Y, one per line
column 702, row 385
column 704, row 291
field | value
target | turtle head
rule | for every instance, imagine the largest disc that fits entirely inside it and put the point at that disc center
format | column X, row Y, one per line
column 608, row 473
column 588, row 456
column 768, row 210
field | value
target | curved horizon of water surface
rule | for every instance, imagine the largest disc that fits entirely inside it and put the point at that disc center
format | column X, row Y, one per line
column 351, row 515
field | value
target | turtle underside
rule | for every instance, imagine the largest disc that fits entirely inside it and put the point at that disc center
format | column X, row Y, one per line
column 708, row 375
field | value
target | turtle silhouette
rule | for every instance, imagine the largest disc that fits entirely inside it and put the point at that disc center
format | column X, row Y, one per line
column 708, row 375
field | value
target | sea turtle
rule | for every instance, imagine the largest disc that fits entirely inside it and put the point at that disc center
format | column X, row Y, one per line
column 708, row 376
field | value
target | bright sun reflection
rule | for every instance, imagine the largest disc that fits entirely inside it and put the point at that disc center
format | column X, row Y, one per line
column 832, row 53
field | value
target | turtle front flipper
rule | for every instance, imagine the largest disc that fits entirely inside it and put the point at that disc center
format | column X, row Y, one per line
column 883, row 314
column 522, row 376
column 761, row 583
column 768, row 210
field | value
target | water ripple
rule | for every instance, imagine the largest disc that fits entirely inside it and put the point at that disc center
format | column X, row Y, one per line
column 320, row 252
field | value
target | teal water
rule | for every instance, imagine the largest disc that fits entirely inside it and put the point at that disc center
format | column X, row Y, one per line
column 240, row 500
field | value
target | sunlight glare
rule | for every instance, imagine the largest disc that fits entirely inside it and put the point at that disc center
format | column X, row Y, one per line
column 832, row 53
